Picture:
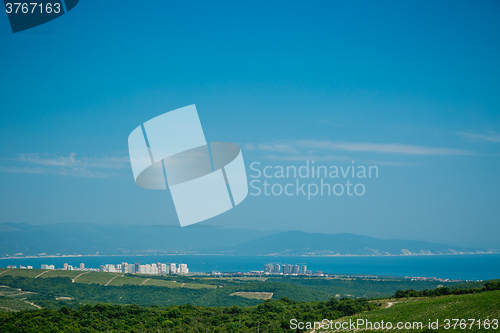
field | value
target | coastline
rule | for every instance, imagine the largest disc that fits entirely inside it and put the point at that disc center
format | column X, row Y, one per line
column 249, row 255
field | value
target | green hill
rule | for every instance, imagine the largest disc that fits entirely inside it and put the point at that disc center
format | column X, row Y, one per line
column 480, row 306
column 168, row 305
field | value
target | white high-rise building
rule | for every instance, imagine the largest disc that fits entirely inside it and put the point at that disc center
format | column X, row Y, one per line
column 164, row 268
column 173, row 268
column 82, row 266
column 148, row 269
column 110, row 268
column 183, row 269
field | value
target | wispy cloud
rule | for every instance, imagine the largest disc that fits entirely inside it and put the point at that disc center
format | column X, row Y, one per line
column 385, row 148
column 392, row 163
column 485, row 137
column 77, row 172
column 70, row 165
column 301, row 157
column 104, row 162
column 278, row 146
column 298, row 146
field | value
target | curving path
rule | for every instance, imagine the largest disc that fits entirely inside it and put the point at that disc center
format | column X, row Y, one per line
column 114, row 277
column 76, row 277
column 4, row 271
column 42, row 273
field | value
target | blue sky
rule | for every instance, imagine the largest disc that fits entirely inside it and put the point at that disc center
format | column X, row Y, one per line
column 411, row 87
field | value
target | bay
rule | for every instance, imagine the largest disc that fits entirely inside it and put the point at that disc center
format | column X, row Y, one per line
column 464, row 267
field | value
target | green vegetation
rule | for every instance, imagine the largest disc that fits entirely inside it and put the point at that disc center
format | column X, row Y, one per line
column 10, row 292
column 23, row 272
column 104, row 278
column 47, row 273
column 172, row 284
column 245, row 278
column 161, row 290
column 96, row 277
column 48, row 289
column 13, row 305
column 61, row 273
column 13, row 299
column 201, row 304
column 481, row 306
column 444, row 291
column 270, row 316
column 358, row 287
column 124, row 280
column 253, row 295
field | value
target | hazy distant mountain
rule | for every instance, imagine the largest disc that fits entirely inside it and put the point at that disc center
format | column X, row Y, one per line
column 79, row 238
column 302, row 243
column 84, row 239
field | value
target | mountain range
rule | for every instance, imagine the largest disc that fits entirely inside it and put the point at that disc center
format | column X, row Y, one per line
column 19, row 240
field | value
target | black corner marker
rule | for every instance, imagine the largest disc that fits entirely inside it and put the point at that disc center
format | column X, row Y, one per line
column 26, row 15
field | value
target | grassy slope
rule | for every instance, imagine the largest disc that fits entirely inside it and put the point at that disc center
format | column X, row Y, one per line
column 13, row 299
column 482, row 306
column 103, row 278
column 54, row 273
column 47, row 292
column 14, row 305
column 203, row 290
column 344, row 287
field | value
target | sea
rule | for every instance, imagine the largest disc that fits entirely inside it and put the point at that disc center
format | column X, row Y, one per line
column 462, row 267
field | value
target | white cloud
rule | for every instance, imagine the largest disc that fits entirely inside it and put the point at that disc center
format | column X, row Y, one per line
column 301, row 157
column 277, row 146
column 488, row 136
column 78, row 172
column 393, row 163
column 297, row 146
column 71, row 165
column 105, row 162
column 385, row 148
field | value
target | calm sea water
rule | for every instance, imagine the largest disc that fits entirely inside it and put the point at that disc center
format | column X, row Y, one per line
column 465, row 267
